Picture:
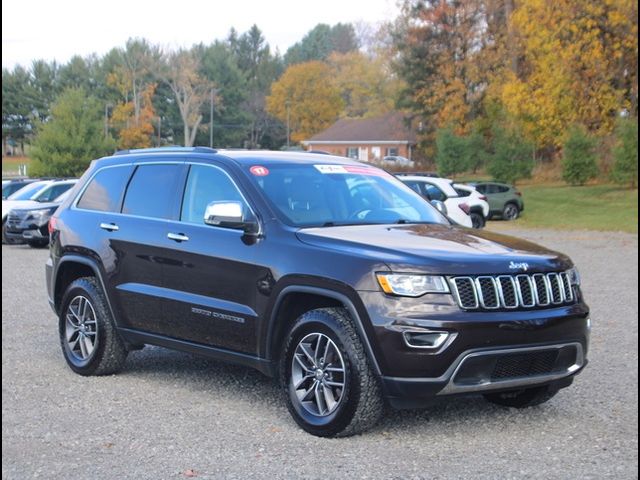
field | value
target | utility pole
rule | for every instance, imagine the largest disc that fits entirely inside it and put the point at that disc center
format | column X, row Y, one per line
column 106, row 120
column 211, row 121
column 288, row 105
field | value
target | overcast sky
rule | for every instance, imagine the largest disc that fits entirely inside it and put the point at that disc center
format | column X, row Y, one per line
column 59, row 29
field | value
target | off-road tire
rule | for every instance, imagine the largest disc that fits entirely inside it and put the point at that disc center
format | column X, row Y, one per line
column 109, row 353
column 361, row 405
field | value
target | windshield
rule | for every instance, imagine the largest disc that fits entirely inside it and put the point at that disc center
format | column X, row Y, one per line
column 331, row 195
column 28, row 192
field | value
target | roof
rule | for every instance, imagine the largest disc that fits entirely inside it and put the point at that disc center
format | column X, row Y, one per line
column 391, row 127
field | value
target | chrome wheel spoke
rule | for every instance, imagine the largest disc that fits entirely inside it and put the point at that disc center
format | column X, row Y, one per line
column 318, row 374
column 81, row 329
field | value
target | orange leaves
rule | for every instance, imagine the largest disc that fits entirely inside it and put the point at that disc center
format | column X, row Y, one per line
column 307, row 96
column 132, row 132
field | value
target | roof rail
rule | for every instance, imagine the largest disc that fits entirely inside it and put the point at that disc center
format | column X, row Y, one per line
column 173, row 148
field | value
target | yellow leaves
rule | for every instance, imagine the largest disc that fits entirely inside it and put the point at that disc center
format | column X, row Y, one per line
column 573, row 51
column 307, row 97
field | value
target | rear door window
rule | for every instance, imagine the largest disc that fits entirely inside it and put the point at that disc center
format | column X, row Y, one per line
column 152, row 191
column 104, row 192
column 434, row 193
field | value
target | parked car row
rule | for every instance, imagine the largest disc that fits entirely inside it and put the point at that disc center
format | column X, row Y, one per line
column 27, row 210
column 468, row 204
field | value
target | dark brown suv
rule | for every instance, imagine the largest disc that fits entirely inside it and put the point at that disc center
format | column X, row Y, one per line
column 326, row 273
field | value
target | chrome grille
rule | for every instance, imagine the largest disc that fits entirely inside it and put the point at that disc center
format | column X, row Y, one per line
column 512, row 291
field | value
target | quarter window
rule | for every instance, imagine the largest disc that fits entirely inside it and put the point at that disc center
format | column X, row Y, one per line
column 204, row 186
column 104, row 192
column 151, row 191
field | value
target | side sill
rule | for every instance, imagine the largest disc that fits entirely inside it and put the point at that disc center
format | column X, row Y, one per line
column 136, row 337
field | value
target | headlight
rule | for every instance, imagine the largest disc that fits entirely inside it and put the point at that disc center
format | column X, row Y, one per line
column 574, row 276
column 40, row 215
column 412, row 285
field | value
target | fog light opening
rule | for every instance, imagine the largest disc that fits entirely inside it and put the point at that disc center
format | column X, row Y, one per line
column 425, row 339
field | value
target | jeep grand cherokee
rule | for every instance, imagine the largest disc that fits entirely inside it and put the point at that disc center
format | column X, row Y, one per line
column 328, row 274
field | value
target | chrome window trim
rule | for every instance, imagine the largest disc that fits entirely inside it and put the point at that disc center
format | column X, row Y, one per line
column 519, row 290
column 74, row 204
column 515, row 291
column 453, row 281
column 481, row 295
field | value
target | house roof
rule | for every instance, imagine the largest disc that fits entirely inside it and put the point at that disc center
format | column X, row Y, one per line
column 385, row 128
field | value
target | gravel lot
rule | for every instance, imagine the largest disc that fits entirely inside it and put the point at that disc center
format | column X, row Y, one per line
column 172, row 415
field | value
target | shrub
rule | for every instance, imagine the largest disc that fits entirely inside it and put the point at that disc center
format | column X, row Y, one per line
column 625, row 153
column 451, row 154
column 579, row 162
column 512, row 157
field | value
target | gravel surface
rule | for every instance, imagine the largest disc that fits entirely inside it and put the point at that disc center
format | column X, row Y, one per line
column 173, row 415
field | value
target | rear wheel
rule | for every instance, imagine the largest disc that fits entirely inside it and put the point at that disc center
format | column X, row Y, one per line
column 329, row 387
column 510, row 212
column 523, row 398
column 477, row 220
column 90, row 343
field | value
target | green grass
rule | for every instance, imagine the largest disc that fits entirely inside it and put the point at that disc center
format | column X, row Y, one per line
column 593, row 207
column 10, row 165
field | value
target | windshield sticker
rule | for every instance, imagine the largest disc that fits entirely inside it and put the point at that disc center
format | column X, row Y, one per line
column 343, row 169
column 259, row 171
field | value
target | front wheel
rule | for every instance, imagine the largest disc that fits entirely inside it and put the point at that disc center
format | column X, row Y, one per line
column 510, row 212
column 527, row 397
column 329, row 387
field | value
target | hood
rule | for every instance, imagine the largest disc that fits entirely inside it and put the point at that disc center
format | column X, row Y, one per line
column 8, row 205
column 438, row 249
column 36, row 206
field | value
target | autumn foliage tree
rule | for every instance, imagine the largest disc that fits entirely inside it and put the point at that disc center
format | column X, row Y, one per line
column 135, row 131
column 307, row 95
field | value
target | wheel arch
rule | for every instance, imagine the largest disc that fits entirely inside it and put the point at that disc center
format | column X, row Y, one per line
column 282, row 317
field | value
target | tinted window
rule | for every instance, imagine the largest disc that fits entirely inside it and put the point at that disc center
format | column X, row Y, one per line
column 105, row 190
column 151, row 191
column 462, row 193
column 206, row 185
column 481, row 188
column 11, row 188
column 28, row 192
column 415, row 186
column 434, row 193
column 328, row 195
column 49, row 194
column 502, row 188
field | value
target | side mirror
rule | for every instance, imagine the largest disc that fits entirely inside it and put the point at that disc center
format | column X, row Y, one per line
column 440, row 206
column 229, row 214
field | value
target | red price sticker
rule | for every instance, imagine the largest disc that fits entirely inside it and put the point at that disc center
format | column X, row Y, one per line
column 259, row 171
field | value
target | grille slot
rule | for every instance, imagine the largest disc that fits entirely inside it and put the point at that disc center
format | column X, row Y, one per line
column 465, row 291
column 524, row 364
column 512, row 291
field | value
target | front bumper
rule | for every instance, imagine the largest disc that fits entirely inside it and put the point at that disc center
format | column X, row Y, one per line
column 481, row 345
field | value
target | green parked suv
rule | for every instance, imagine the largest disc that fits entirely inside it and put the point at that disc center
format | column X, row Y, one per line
column 504, row 200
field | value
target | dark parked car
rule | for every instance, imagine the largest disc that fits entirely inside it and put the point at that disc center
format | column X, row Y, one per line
column 329, row 274
column 30, row 225
column 504, row 200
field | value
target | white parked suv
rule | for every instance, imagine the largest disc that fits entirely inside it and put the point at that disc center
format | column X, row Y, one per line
column 441, row 190
column 477, row 203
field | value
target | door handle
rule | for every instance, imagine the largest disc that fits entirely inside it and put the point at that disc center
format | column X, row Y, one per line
column 111, row 227
column 178, row 237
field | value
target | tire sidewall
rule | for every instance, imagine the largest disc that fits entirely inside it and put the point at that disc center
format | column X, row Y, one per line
column 506, row 210
column 318, row 321
column 479, row 222
column 88, row 290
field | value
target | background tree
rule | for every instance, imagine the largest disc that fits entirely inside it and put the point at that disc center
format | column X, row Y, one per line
column 314, row 101
column 579, row 162
column 625, row 153
column 73, row 136
column 17, row 118
column 451, row 156
column 366, row 85
column 180, row 71
column 135, row 132
column 511, row 158
column 321, row 41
